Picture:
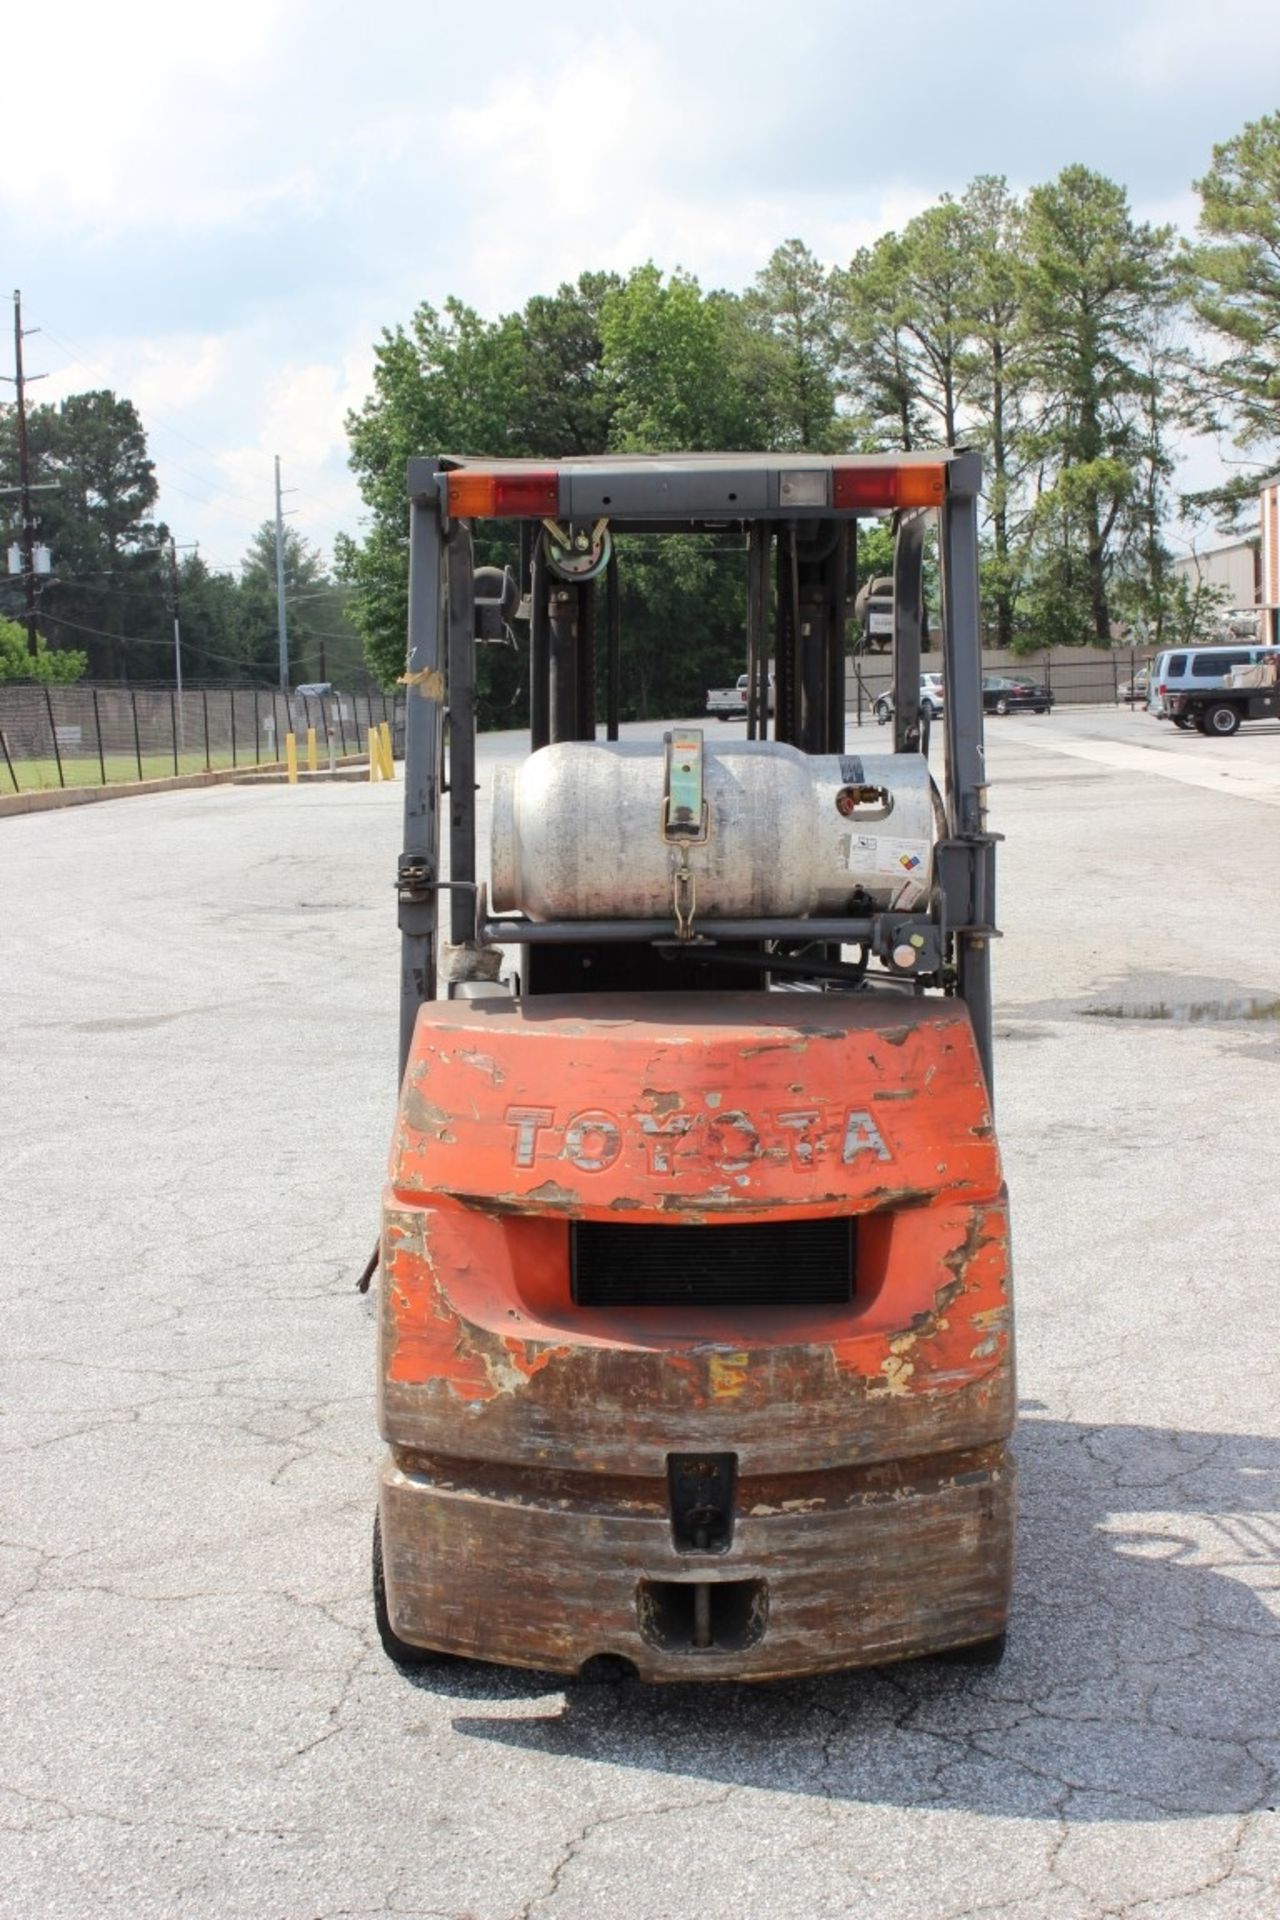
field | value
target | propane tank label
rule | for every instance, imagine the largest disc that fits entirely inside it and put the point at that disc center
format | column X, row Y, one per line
column 871, row 851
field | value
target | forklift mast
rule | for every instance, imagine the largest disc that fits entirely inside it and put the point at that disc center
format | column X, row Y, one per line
column 798, row 515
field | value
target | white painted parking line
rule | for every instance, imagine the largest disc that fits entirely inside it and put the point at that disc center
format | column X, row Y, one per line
column 1246, row 767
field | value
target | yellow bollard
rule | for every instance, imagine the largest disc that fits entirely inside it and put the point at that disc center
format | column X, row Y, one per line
column 375, row 757
column 311, row 749
column 388, row 757
column 291, row 758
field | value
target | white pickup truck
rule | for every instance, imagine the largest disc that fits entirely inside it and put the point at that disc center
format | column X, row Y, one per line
column 730, row 703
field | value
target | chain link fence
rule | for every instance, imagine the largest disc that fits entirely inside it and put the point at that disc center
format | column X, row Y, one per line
column 85, row 736
column 1117, row 679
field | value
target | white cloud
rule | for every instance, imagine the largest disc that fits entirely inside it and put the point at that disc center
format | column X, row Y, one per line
column 149, row 120
column 228, row 205
column 650, row 134
column 195, row 391
column 303, row 416
column 1163, row 45
column 172, row 374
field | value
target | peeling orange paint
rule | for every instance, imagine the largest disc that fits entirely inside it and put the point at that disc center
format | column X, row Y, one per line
column 531, row 1359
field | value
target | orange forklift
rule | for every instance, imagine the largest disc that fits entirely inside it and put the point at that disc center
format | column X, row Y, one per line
column 695, row 1321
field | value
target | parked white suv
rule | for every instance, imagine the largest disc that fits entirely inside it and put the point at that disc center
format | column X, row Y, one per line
column 932, row 702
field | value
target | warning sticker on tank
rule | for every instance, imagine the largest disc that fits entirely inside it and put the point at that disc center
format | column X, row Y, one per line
column 880, row 855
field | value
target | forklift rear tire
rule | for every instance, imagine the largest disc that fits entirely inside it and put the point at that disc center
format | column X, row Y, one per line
column 393, row 1646
column 1221, row 721
column 979, row 1653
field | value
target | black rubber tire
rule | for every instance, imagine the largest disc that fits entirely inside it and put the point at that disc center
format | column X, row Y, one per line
column 1222, row 720
column 1001, row 706
column 979, row 1653
column 393, row 1646
column 1039, row 709
column 1183, row 721
column 883, row 713
column 928, row 711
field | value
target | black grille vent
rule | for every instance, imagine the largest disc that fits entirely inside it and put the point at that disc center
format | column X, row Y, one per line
column 773, row 1263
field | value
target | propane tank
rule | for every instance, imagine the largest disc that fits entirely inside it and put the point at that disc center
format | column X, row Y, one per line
column 578, row 832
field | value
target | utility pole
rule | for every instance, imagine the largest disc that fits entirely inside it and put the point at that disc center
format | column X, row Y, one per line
column 282, row 627
column 177, row 629
column 20, row 383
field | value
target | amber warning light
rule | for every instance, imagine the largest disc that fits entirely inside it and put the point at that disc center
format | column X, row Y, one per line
column 503, row 496
column 875, row 488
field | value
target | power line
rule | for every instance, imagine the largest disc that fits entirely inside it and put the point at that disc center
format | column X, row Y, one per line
column 282, row 618
column 325, row 533
column 328, row 633
column 219, row 489
column 141, row 640
column 77, row 358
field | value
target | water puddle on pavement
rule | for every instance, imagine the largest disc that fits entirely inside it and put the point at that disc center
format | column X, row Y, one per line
column 1192, row 1013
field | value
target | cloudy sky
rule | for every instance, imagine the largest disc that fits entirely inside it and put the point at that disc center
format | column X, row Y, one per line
column 214, row 210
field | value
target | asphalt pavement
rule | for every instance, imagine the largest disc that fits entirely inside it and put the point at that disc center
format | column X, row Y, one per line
column 198, row 1071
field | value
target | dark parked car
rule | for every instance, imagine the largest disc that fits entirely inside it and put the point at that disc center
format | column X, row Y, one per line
column 1001, row 694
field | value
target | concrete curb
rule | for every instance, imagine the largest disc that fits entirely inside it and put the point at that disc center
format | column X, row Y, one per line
column 42, row 799
column 278, row 777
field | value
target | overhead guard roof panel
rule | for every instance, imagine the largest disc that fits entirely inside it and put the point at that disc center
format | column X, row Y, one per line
column 715, row 486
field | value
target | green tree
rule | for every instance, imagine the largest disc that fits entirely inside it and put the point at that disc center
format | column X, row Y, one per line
column 51, row 668
column 1233, row 274
column 1093, row 284
column 603, row 362
column 567, row 402
column 324, row 644
column 878, row 372
column 790, row 350
column 1236, row 269
column 683, row 620
column 685, row 371
column 672, row 356
column 937, row 266
column 105, row 593
column 996, row 387
column 449, row 383
column 1146, row 593
column 210, row 613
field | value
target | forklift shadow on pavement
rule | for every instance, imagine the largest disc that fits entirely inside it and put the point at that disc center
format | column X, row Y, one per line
column 1142, row 1680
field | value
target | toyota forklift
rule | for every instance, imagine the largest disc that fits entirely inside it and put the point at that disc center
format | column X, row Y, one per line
column 695, row 1344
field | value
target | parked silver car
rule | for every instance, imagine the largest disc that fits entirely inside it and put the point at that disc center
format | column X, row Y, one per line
column 932, row 702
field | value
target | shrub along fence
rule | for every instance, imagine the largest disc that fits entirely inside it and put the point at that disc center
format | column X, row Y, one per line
column 85, row 736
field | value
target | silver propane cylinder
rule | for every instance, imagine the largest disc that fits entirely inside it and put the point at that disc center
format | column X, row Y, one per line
column 578, row 832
